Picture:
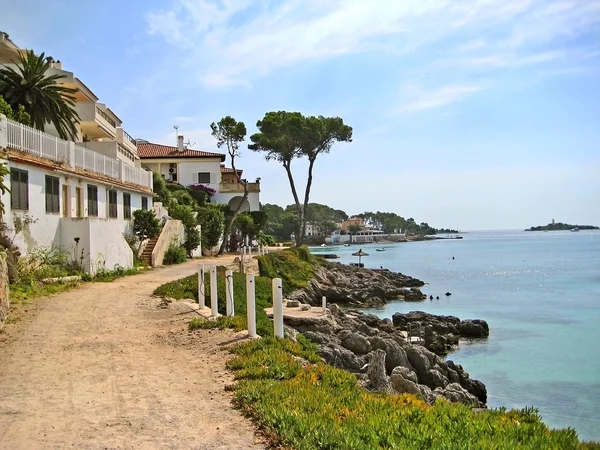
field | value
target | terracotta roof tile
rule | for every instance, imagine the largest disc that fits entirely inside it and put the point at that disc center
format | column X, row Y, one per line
column 229, row 170
column 149, row 150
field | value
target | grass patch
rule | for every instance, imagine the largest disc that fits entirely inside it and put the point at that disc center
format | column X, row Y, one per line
column 188, row 288
column 295, row 266
column 315, row 406
column 21, row 292
column 106, row 276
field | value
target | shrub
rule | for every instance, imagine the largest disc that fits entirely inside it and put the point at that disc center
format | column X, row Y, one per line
column 145, row 225
column 174, row 255
column 266, row 239
column 308, row 406
column 295, row 266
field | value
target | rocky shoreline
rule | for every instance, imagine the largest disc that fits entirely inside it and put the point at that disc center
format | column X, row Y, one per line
column 405, row 354
column 353, row 341
column 353, row 286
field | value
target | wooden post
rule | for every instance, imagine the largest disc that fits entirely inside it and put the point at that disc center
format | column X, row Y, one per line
column 229, row 306
column 214, row 299
column 251, row 305
column 201, row 297
column 277, row 307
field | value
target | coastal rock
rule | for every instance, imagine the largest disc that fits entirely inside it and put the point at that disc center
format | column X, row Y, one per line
column 456, row 393
column 354, row 342
column 347, row 339
column 441, row 333
column 475, row 328
column 358, row 286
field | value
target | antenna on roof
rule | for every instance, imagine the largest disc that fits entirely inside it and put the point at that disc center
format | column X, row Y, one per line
column 188, row 144
column 176, row 133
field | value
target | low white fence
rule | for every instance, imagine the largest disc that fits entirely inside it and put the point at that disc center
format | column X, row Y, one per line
column 43, row 145
column 277, row 291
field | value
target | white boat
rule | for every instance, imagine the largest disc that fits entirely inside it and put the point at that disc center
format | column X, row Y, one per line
column 574, row 229
column 380, row 249
column 323, row 245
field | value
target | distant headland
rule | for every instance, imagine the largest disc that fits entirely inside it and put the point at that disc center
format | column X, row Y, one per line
column 559, row 226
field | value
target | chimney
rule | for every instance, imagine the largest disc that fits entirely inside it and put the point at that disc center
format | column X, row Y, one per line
column 180, row 143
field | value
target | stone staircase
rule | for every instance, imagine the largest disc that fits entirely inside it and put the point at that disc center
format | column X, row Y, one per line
column 147, row 252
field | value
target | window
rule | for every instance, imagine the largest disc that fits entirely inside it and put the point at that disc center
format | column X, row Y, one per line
column 52, row 194
column 19, row 189
column 92, row 201
column 144, row 203
column 112, row 203
column 203, row 177
column 127, row 206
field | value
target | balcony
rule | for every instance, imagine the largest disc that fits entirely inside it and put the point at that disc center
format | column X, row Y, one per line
column 95, row 122
column 70, row 157
column 126, row 140
column 225, row 188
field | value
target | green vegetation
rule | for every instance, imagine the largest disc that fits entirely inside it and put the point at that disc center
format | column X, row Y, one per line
column 295, row 266
column 188, row 288
column 145, row 226
column 40, row 95
column 281, row 223
column 304, row 404
column 20, row 115
column 174, row 254
column 285, row 136
column 106, row 276
column 561, row 226
column 230, row 133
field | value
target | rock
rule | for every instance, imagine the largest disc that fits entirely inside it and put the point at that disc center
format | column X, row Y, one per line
column 456, row 393
column 354, row 342
column 419, row 358
column 292, row 304
column 435, row 379
column 304, row 307
column 376, row 374
column 395, row 355
column 342, row 358
column 403, row 385
column 317, row 338
column 474, row 328
column 352, row 285
column 405, row 373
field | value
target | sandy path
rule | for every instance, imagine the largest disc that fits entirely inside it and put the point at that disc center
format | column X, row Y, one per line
column 99, row 367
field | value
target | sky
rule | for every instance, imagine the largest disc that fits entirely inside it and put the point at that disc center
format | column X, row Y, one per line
column 471, row 114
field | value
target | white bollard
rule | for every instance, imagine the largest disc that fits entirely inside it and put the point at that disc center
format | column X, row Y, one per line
column 277, row 307
column 324, row 300
column 251, row 305
column 214, row 295
column 201, row 297
column 229, row 293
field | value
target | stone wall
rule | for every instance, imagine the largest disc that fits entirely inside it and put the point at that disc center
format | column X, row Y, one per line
column 4, row 299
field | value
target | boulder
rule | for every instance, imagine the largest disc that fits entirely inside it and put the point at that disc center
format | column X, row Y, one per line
column 354, row 342
column 474, row 328
column 456, row 393
column 405, row 373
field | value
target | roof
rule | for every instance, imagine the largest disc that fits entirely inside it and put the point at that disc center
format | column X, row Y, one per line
column 148, row 150
column 230, row 170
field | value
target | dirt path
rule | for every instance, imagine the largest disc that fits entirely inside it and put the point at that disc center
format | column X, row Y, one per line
column 100, row 367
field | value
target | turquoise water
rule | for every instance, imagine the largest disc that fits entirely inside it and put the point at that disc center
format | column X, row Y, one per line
column 540, row 294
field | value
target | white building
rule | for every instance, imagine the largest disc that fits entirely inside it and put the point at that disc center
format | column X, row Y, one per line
column 186, row 166
column 77, row 196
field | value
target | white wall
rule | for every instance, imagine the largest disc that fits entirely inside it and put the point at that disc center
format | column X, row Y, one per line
column 253, row 198
column 187, row 169
column 54, row 229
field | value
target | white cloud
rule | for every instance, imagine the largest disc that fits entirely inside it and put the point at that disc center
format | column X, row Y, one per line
column 420, row 99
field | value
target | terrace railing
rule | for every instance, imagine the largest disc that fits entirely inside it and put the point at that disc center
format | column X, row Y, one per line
column 106, row 117
column 43, row 145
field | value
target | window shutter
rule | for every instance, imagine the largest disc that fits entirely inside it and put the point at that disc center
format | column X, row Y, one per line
column 195, row 177
column 213, row 178
column 24, row 190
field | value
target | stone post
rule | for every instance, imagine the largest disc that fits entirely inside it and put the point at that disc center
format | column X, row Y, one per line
column 214, row 295
column 324, row 301
column 4, row 296
column 201, row 297
column 251, row 305
column 229, row 306
column 277, row 307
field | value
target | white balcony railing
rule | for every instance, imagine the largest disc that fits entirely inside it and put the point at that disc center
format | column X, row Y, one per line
column 36, row 142
column 29, row 140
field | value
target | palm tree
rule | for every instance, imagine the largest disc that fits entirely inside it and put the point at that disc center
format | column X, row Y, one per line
column 42, row 97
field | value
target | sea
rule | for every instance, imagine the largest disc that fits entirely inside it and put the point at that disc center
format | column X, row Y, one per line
column 539, row 293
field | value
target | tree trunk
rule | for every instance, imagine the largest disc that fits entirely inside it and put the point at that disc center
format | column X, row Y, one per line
column 311, row 164
column 229, row 223
column 299, row 236
column 378, row 380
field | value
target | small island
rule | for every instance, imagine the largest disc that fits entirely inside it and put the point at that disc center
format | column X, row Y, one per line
column 559, row 226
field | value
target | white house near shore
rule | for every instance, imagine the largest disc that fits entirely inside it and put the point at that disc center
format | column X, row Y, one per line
column 187, row 167
column 78, row 196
